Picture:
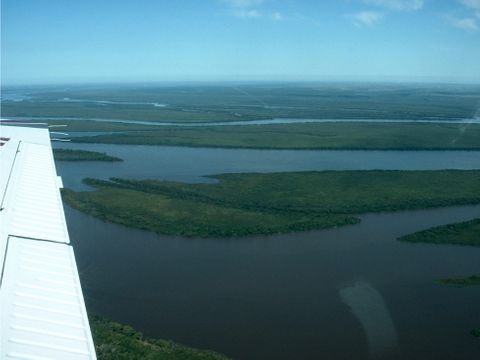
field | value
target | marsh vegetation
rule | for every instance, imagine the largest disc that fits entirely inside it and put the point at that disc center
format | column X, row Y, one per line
column 82, row 155
column 464, row 233
column 461, row 282
column 231, row 102
column 248, row 204
column 327, row 136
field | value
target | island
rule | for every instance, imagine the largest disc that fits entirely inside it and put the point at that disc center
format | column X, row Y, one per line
column 254, row 203
column 352, row 135
column 463, row 233
column 82, row 155
column 461, row 282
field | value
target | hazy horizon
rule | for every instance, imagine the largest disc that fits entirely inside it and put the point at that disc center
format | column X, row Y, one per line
column 133, row 82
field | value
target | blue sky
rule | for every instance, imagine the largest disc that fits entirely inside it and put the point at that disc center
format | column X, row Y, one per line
column 61, row 41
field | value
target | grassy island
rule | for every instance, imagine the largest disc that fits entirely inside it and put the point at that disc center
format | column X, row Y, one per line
column 464, row 233
column 461, row 282
column 82, row 155
column 249, row 204
column 333, row 136
column 114, row 341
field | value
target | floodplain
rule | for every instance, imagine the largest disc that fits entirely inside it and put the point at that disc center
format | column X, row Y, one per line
column 317, row 183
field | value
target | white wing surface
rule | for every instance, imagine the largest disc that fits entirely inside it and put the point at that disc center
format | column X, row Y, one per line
column 42, row 311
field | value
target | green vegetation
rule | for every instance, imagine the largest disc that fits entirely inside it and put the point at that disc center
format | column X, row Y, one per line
column 175, row 216
column 248, row 204
column 461, row 282
column 234, row 102
column 59, row 110
column 359, row 136
column 82, row 155
column 464, row 233
column 114, row 341
column 91, row 125
column 248, row 102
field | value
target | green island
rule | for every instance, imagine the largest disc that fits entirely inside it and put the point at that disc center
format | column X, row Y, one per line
column 463, row 233
column 250, row 204
column 461, row 282
column 332, row 136
column 114, row 341
column 82, row 155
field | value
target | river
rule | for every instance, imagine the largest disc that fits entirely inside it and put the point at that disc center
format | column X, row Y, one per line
column 192, row 164
column 353, row 292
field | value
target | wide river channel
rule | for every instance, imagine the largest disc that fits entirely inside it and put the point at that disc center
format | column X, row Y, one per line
column 353, row 292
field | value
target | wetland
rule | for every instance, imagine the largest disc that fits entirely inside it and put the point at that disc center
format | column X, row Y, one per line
column 281, row 211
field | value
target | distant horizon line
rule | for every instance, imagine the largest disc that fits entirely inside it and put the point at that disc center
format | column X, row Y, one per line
column 392, row 80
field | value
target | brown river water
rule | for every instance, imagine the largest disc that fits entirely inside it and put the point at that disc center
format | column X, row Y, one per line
column 353, row 292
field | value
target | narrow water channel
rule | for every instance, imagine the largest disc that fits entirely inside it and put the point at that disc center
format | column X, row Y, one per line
column 192, row 164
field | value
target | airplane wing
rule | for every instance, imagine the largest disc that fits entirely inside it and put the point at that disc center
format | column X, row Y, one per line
column 42, row 310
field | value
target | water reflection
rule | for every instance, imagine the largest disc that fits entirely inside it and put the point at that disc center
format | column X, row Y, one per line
column 369, row 307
